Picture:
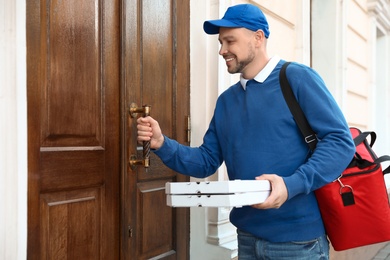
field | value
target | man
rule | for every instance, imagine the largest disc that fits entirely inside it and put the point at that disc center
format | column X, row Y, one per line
column 253, row 131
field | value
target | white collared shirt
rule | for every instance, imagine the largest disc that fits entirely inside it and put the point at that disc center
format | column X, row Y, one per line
column 264, row 73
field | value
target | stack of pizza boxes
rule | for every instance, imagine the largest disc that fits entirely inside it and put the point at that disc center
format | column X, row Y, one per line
column 235, row 193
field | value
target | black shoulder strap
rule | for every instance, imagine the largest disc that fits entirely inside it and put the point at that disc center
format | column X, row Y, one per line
column 296, row 111
column 363, row 136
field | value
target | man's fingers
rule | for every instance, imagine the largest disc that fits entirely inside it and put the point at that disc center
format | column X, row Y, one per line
column 278, row 194
column 144, row 130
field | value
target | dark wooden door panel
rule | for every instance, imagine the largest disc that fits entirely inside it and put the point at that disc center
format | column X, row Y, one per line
column 64, row 169
column 72, row 92
column 74, row 129
column 70, row 222
column 157, row 74
column 155, row 219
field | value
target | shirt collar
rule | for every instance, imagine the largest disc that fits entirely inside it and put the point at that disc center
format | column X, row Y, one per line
column 264, row 73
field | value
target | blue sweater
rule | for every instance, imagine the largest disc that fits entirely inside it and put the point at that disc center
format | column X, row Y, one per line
column 254, row 132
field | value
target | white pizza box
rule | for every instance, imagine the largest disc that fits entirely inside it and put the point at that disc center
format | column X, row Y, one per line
column 217, row 200
column 219, row 187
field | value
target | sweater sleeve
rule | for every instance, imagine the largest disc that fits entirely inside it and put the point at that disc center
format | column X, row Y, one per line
column 335, row 148
column 197, row 162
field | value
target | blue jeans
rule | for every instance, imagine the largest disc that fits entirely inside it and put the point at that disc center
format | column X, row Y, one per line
column 251, row 248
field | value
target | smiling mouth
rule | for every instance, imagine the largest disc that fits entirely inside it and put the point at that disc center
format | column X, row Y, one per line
column 229, row 60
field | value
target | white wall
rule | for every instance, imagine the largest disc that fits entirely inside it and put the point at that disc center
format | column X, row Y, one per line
column 380, row 77
column 13, row 131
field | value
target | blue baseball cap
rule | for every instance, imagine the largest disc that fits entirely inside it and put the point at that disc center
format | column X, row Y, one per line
column 239, row 16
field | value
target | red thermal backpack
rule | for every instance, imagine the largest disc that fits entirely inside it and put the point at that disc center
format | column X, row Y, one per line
column 355, row 208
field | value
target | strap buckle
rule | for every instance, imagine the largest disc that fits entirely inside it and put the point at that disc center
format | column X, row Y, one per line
column 310, row 138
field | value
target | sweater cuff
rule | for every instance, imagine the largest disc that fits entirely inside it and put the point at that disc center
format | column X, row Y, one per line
column 166, row 151
column 294, row 185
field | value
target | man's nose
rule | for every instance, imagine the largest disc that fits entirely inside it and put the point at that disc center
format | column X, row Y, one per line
column 222, row 50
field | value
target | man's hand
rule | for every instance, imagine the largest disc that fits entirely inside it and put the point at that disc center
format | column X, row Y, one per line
column 278, row 194
column 149, row 130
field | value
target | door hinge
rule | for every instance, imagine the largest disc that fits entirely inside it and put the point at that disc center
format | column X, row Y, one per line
column 130, row 231
column 188, row 130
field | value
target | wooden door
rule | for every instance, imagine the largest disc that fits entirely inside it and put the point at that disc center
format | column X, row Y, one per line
column 156, row 73
column 84, row 67
column 73, row 70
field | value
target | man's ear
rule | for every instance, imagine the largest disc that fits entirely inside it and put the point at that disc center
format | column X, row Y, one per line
column 260, row 37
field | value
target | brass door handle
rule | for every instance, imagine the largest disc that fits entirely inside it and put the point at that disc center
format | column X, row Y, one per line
column 133, row 161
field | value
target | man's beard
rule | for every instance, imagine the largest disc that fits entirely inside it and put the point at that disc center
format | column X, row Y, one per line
column 239, row 68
